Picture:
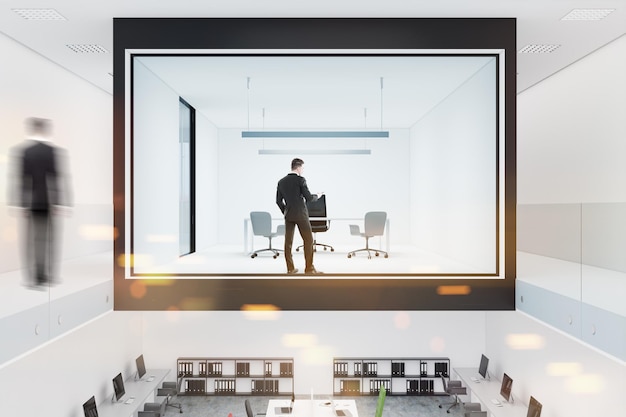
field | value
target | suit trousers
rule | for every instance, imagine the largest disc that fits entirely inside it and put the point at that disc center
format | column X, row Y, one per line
column 304, row 227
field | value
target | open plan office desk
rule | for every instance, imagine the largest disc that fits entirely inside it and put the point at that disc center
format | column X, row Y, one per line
column 248, row 236
column 311, row 408
column 142, row 391
column 486, row 390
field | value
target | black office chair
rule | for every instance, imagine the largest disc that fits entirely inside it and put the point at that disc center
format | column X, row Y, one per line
column 262, row 226
column 249, row 412
column 453, row 388
column 157, row 408
column 318, row 209
column 374, row 226
column 169, row 390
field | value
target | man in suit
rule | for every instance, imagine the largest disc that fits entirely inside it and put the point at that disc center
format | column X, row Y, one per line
column 292, row 194
column 40, row 187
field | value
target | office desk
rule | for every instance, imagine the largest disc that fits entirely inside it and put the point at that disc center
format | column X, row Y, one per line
column 143, row 391
column 248, row 237
column 311, row 408
column 484, row 391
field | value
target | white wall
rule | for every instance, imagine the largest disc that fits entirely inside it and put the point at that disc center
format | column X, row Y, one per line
column 81, row 114
column 571, row 149
column 207, row 163
column 458, row 335
column 56, row 379
column 354, row 184
column 571, row 130
column 156, row 170
column 453, row 168
column 588, row 384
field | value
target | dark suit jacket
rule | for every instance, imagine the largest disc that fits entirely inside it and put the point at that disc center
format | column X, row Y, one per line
column 292, row 194
column 39, row 177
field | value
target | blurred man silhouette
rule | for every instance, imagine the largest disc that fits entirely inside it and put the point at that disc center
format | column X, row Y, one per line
column 40, row 188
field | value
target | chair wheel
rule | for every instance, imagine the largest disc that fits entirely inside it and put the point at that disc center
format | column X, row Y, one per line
column 253, row 255
column 325, row 248
column 297, row 249
column 440, row 406
column 448, row 411
column 275, row 256
column 377, row 254
column 332, row 249
column 349, row 255
column 386, row 256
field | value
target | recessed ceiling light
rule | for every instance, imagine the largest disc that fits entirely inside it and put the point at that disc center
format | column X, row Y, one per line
column 87, row 48
column 587, row 14
column 39, row 14
column 538, row 49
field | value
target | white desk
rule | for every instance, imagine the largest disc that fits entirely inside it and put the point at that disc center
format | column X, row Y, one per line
column 484, row 391
column 143, row 391
column 311, row 408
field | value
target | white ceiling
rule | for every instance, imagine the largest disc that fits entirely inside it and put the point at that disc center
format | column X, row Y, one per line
column 87, row 22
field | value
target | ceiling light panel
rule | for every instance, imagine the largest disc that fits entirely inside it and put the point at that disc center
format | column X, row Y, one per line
column 587, row 14
column 39, row 14
column 538, row 49
column 87, row 48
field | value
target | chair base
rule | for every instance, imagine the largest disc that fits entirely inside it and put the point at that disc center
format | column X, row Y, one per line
column 315, row 245
column 276, row 252
column 369, row 251
column 452, row 405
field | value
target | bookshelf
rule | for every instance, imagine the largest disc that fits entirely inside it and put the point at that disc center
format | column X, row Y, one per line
column 234, row 376
column 399, row 376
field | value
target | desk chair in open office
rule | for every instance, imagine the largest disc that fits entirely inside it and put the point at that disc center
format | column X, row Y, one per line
column 169, row 390
column 249, row 412
column 317, row 208
column 453, row 388
column 374, row 225
column 262, row 226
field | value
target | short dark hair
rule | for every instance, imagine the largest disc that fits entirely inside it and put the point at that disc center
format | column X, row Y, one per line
column 36, row 125
column 296, row 163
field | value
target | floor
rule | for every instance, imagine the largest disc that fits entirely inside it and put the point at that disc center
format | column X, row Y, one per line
column 395, row 406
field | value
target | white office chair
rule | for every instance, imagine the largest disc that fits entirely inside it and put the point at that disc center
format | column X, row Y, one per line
column 374, row 226
column 262, row 226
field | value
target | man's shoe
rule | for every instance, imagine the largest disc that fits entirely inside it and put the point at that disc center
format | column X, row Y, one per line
column 293, row 271
column 313, row 272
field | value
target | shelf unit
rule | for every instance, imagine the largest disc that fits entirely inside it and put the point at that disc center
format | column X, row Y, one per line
column 234, row 376
column 399, row 376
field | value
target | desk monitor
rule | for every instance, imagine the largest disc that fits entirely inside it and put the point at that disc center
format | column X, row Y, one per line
column 118, row 387
column 534, row 408
column 484, row 364
column 505, row 390
column 141, row 367
column 90, row 409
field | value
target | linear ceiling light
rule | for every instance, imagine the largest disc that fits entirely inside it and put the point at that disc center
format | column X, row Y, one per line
column 39, row 14
column 314, row 134
column 587, row 14
column 315, row 152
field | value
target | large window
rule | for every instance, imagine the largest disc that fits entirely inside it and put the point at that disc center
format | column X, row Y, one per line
column 444, row 174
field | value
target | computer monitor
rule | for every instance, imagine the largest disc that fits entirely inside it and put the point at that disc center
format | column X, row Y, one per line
column 118, row 387
column 484, row 364
column 90, row 409
column 534, row 408
column 141, row 367
column 505, row 389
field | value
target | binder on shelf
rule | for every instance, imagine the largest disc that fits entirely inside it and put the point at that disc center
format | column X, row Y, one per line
column 350, row 386
column 286, row 369
column 341, row 368
column 195, row 387
column 370, row 368
column 224, row 386
column 243, row 368
column 185, row 368
column 215, row 368
column 357, row 369
column 375, row 385
column 412, row 386
column 441, row 369
column 202, row 368
column 397, row 368
column 268, row 368
column 423, row 368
